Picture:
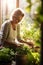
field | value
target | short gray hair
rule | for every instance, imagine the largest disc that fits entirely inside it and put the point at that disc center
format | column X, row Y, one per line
column 16, row 13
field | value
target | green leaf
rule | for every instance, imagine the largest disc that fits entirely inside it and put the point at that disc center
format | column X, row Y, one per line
column 28, row 8
column 29, row 1
column 40, row 18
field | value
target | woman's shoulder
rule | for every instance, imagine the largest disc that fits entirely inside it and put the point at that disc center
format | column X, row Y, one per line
column 6, row 23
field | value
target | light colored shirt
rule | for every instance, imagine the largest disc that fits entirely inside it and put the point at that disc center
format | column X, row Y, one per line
column 7, row 32
column 12, row 34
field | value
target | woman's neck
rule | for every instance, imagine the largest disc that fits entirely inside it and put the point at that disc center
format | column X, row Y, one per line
column 13, row 25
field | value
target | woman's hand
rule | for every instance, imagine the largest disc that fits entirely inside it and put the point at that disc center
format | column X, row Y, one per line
column 20, row 44
column 30, row 43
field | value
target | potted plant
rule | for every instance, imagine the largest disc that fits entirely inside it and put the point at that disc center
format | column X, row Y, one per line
column 6, row 56
column 21, row 55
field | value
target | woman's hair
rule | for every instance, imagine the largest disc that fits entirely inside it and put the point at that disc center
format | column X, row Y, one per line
column 16, row 13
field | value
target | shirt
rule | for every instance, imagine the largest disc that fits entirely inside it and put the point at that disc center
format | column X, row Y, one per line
column 7, row 32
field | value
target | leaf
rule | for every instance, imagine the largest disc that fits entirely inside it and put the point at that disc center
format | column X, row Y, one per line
column 40, row 18
column 28, row 8
column 29, row 1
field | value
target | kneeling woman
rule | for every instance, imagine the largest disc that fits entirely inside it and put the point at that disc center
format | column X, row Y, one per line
column 10, row 30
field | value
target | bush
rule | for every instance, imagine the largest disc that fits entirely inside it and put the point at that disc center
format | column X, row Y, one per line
column 22, row 50
column 6, row 55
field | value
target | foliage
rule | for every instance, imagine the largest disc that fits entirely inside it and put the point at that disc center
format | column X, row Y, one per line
column 37, row 16
column 22, row 50
column 29, row 1
column 6, row 54
column 33, row 33
column 28, row 8
column 37, row 58
column 33, row 58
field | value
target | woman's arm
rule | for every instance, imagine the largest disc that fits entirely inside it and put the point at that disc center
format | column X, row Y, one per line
column 19, row 38
column 12, row 44
column 4, row 30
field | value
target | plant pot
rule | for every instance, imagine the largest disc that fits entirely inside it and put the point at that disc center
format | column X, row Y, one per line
column 21, row 59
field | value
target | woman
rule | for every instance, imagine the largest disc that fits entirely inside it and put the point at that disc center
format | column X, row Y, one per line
column 10, row 30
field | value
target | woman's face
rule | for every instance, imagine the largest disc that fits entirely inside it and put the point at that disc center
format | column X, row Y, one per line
column 17, row 20
column 20, row 18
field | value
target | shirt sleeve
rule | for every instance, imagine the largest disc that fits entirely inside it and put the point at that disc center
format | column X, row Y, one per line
column 5, row 29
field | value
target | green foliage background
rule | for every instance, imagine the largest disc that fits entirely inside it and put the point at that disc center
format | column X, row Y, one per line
column 32, row 30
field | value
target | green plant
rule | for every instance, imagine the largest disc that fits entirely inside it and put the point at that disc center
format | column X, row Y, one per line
column 6, row 55
column 22, row 50
column 33, row 58
column 21, row 55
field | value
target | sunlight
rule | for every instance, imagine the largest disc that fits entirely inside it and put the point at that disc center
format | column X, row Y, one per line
column 3, row 4
column 11, row 4
column 33, row 1
column 7, row 7
column 29, row 26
